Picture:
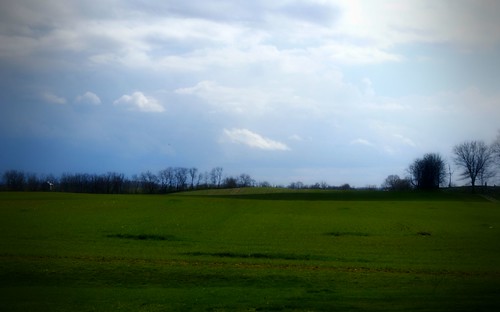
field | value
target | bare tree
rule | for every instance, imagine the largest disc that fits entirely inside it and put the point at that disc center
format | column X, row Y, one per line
column 192, row 174
column 216, row 176
column 296, row 185
column 230, row 182
column 244, row 180
column 116, row 182
column 167, row 179
column 181, row 176
column 203, row 179
column 14, row 180
column 149, row 181
column 395, row 183
column 264, row 184
column 32, row 182
column 475, row 158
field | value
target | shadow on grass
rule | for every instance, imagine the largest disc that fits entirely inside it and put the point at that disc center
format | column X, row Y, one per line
column 355, row 195
column 268, row 256
column 151, row 237
column 338, row 234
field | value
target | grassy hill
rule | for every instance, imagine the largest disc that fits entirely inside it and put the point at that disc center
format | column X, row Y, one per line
column 249, row 250
column 457, row 194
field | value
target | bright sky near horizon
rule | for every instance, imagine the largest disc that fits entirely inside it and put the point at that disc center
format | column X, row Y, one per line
column 311, row 91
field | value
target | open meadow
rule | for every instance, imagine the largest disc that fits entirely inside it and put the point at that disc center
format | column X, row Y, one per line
column 250, row 250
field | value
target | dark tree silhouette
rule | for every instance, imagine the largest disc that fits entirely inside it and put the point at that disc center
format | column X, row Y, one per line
column 149, row 181
column 428, row 173
column 14, row 180
column 395, row 183
column 192, row 174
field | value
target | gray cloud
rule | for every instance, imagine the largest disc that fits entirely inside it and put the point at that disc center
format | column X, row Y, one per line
column 344, row 82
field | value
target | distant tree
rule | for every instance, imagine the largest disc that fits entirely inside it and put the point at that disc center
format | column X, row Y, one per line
column 390, row 182
column 475, row 159
column 296, row 185
column 192, row 174
column 395, row 183
column 134, row 185
column 216, row 176
column 166, row 178
column 264, row 184
column 345, row 187
column 428, row 172
column 230, row 182
column 203, row 180
column 115, row 182
column 149, row 182
column 181, row 176
column 245, row 180
column 32, row 182
column 14, row 180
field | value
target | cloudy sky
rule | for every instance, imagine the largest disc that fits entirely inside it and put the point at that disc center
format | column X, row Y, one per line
column 334, row 91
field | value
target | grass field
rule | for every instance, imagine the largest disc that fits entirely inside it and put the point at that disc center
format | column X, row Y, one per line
column 249, row 250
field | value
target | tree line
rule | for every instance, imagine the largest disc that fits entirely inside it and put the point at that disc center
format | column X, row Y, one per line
column 171, row 179
column 476, row 161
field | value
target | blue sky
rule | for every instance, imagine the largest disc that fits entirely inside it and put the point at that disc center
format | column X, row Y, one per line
column 334, row 91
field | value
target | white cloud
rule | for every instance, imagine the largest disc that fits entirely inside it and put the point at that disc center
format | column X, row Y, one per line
column 254, row 140
column 387, row 23
column 360, row 141
column 228, row 99
column 88, row 98
column 179, row 35
column 368, row 87
column 253, row 101
column 137, row 101
column 52, row 98
column 358, row 54
column 405, row 140
column 296, row 137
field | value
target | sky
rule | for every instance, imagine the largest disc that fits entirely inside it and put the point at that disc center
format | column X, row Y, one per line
column 310, row 91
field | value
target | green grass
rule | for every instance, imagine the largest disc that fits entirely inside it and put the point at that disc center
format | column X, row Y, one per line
column 249, row 250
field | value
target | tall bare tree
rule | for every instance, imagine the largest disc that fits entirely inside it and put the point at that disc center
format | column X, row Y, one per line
column 181, row 176
column 192, row 174
column 149, row 181
column 216, row 176
column 475, row 159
